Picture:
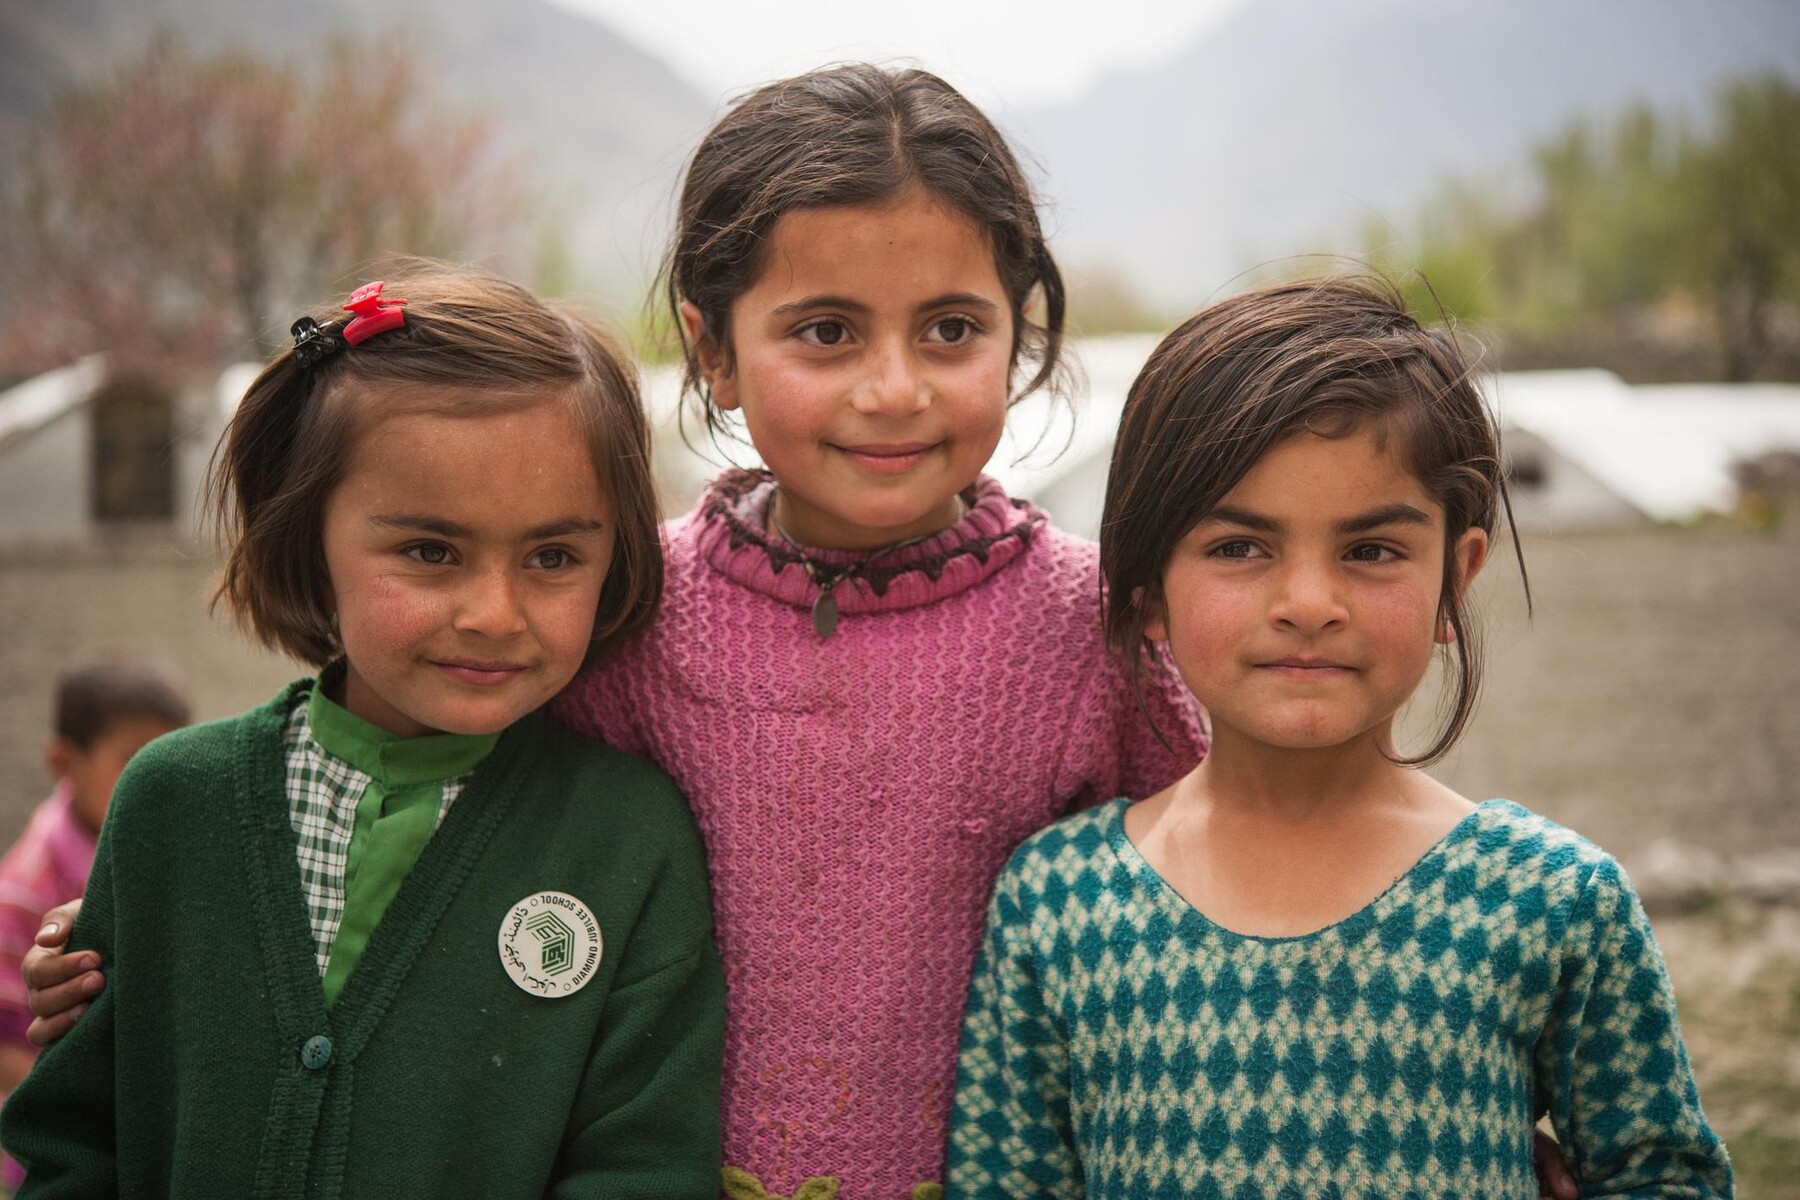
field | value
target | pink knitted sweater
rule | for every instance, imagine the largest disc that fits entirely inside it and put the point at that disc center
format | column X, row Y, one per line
column 859, row 794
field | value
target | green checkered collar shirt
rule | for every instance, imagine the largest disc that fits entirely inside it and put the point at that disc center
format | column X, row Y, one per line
column 322, row 793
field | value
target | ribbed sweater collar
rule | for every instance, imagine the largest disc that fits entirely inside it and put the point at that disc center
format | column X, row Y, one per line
column 732, row 518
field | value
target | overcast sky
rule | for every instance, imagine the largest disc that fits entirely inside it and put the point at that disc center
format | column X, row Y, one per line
column 1003, row 54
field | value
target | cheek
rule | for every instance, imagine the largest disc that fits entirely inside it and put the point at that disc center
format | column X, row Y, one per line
column 377, row 614
column 564, row 627
column 1206, row 621
column 570, row 620
column 784, row 432
column 1404, row 617
column 777, row 395
column 982, row 391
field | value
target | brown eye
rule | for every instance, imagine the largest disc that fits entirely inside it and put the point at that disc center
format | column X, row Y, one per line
column 952, row 331
column 1369, row 552
column 825, row 333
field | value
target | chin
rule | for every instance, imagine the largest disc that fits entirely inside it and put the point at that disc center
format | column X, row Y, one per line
column 498, row 724
column 476, row 721
column 1307, row 733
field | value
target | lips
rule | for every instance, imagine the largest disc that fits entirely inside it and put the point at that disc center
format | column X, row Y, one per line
column 888, row 457
column 480, row 672
column 1303, row 668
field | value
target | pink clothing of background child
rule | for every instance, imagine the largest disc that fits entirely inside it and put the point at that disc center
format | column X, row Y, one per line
column 47, row 866
column 859, row 793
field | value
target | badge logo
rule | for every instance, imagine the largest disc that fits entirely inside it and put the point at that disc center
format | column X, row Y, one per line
column 550, row 944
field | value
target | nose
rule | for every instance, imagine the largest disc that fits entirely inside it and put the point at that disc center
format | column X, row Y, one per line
column 1308, row 598
column 489, row 605
column 892, row 384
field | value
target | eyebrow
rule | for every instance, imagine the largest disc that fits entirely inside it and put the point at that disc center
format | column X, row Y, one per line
column 1375, row 518
column 845, row 304
column 422, row 523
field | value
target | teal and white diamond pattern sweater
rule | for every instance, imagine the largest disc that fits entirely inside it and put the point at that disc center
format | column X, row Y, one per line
column 1119, row 1044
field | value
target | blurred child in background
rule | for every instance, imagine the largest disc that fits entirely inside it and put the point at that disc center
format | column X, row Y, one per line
column 106, row 710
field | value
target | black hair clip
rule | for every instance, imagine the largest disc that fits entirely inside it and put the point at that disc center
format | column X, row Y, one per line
column 314, row 343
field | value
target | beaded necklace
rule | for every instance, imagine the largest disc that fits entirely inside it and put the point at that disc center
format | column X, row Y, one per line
column 829, row 575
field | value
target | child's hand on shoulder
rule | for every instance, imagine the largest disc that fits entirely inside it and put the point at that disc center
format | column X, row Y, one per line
column 61, row 985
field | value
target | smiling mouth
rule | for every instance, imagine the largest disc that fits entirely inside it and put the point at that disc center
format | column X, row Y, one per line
column 480, row 672
column 888, row 457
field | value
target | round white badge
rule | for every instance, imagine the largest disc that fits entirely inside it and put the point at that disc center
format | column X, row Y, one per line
column 550, row 944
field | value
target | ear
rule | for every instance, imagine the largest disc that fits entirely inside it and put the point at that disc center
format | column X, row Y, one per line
column 1156, row 618
column 59, row 756
column 1469, row 556
column 712, row 366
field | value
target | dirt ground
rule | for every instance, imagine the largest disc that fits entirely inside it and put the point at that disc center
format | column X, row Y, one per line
column 1653, row 695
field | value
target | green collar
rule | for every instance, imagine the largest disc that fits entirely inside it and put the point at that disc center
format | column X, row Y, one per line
column 390, row 760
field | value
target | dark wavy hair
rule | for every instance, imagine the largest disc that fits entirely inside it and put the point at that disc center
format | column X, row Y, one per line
column 1329, row 357
column 845, row 135
column 479, row 344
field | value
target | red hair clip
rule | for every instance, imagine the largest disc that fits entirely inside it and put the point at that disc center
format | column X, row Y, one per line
column 373, row 315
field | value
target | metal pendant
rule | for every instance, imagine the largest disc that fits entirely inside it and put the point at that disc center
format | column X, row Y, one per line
column 824, row 614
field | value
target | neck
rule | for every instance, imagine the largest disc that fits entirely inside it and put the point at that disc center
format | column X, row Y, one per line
column 1254, row 780
column 803, row 526
column 353, row 694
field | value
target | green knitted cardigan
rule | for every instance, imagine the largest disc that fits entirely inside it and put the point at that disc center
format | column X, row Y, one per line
column 210, row 1065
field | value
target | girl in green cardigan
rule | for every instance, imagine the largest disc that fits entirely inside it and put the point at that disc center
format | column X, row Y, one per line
column 391, row 934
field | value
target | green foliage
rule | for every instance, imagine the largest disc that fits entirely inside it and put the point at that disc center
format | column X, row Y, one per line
column 1643, row 213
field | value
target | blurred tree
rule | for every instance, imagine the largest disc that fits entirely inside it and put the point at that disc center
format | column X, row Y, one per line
column 180, row 213
column 1637, row 216
column 1740, row 193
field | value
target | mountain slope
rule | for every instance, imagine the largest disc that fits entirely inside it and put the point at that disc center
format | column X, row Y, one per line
column 1296, row 120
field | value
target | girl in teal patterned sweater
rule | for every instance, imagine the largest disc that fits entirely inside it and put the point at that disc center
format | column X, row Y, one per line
column 1307, row 969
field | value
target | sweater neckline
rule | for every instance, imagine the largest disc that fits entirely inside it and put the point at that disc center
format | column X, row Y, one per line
column 734, row 540
column 267, row 837
column 389, row 759
column 1427, row 869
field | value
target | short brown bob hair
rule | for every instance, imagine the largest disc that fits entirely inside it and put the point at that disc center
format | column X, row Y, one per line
column 1328, row 357
column 483, row 345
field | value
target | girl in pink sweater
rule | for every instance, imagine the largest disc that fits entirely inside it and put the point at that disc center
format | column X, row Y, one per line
column 874, row 673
